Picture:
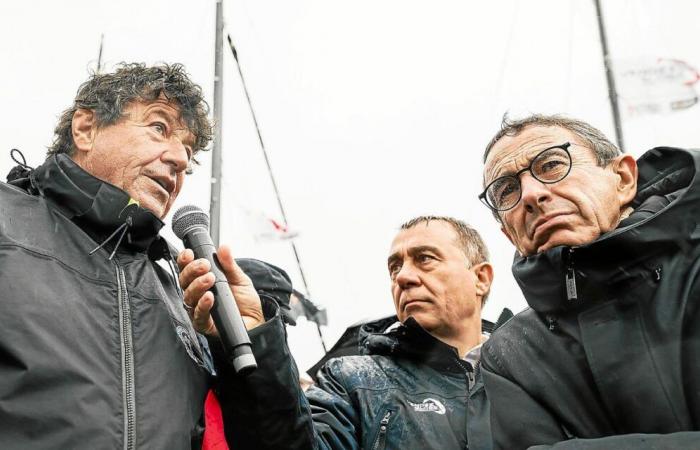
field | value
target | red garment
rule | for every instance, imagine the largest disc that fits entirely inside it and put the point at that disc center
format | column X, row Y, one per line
column 214, row 438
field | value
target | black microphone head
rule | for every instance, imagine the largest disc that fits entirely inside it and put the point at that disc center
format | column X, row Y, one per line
column 188, row 217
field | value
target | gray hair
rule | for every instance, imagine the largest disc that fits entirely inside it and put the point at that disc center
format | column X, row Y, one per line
column 605, row 151
column 108, row 94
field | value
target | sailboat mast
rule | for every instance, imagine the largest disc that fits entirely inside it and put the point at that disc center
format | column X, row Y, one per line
column 234, row 52
column 99, row 56
column 610, row 76
column 215, row 200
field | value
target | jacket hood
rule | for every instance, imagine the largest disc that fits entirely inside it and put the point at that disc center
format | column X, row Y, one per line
column 666, row 209
column 97, row 207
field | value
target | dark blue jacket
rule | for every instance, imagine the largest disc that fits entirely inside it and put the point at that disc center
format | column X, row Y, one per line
column 408, row 391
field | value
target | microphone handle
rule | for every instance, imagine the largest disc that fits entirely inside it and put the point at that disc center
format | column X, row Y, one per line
column 225, row 313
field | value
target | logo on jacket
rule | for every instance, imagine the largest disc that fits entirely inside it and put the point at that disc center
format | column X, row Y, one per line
column 429, row 405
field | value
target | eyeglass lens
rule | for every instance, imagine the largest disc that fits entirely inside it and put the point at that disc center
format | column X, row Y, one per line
column 550, row 166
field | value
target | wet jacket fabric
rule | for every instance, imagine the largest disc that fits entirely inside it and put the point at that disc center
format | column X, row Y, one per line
column 608, row 354
column 94, row 353
column 408, row 391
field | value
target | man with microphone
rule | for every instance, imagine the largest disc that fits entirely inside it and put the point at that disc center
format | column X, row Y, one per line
column 417, row 384
column 96, row 347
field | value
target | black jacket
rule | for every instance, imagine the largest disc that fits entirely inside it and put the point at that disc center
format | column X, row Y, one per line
column 608, row 354
column 409, row 391
column 94, row 353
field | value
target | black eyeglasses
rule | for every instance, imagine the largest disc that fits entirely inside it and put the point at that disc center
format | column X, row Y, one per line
column 550, row 165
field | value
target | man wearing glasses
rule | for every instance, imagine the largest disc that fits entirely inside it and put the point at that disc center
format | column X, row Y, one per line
column 608, row 354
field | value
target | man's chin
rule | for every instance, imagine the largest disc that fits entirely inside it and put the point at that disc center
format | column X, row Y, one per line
column 158, row 208
column 559, row 239
column 425, row 320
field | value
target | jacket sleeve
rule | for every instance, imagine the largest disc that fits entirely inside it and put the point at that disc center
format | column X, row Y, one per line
column 268, row 409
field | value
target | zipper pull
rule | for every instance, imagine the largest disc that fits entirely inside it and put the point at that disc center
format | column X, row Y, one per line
column 385, row 420
column 380, row 441
column 470, row 374
column 570, row 278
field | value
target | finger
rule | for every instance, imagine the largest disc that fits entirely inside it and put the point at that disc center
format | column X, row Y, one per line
column 192, row 271
column 234, row 274
column 185, row 257
column 198, row 288
column 201, row 318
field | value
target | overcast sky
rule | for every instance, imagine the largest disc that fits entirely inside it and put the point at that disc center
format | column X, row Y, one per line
column 372, row 111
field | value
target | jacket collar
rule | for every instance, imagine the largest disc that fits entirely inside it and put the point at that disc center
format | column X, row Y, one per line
column 665, row 218
column 409, row 340
column 389, row 337
column 97, row 207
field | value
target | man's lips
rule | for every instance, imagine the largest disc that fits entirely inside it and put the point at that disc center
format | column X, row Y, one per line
column 166, row 182
column 544, row 222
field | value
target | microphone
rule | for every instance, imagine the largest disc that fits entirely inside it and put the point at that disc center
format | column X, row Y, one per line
column 191, row 225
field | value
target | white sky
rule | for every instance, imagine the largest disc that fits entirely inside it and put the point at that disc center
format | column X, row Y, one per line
column 372, row 111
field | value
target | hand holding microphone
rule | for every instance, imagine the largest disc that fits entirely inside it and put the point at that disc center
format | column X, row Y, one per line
column 224, row 300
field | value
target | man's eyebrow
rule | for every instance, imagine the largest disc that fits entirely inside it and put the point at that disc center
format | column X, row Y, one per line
column 545, row 142
column 162, row 113
column 422, row 249
column 393, row 258
column 413, row 251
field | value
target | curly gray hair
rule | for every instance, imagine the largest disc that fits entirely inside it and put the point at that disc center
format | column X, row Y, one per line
column 108, row 94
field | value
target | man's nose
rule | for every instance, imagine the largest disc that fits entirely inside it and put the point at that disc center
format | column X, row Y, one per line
column 176, row 155
column 534, row 193
column 407, row 276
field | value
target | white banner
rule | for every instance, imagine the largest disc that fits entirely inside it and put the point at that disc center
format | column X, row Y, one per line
column 655, row 85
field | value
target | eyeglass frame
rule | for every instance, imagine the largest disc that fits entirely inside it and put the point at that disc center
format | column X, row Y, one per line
column 565, row 146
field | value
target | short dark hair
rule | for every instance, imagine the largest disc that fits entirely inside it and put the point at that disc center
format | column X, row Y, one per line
column 107, row 94
column 468, row 239
column 605, row 151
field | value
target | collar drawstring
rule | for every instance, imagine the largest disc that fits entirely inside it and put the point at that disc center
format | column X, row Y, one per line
column 20, row 171
column 123, row 228
column 23, row 162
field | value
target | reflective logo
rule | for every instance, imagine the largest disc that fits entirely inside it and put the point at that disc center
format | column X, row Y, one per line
column 187, row 341
column 429, row 405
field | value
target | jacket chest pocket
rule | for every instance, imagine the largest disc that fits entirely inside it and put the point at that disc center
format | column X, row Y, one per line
column 379, row 441
column 427, row 422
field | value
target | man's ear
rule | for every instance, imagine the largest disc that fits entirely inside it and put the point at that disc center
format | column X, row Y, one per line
column 484, row 277
column 625, row 167
column 83, row 128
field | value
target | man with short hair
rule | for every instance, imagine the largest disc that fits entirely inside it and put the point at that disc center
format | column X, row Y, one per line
column 97, row 350
column 608, row 259
column 413, row 387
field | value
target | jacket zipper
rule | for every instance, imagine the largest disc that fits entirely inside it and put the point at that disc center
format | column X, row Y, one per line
column 570, row 277
column 470, row 374
column 127, row 362
column 380, row 441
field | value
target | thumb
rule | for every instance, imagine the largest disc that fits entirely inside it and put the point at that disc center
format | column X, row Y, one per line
column 234, row 274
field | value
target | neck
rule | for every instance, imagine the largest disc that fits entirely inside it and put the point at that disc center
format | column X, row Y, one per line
column 625, row 213
column 464, row 339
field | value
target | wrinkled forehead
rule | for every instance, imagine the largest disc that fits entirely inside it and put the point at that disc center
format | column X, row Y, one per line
column 512, row 153
column 435, row 233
